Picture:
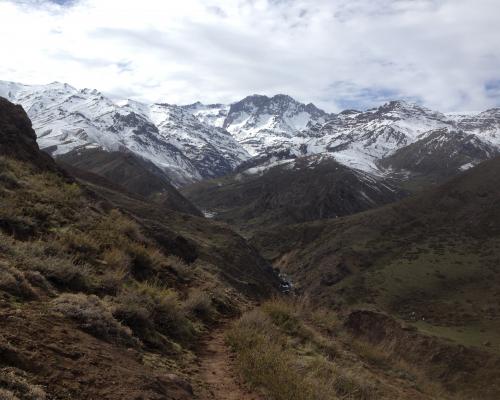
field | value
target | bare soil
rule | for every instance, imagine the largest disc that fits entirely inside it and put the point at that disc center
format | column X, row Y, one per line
column 217, row 371
column 71, row 364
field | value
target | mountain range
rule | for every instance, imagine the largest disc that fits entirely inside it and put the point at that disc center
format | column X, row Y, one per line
column 197, row 142
column 112, row 283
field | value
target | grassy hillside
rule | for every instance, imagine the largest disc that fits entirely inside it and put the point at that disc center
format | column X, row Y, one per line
column 431, row 260
column 289, row 349
column 104, row 294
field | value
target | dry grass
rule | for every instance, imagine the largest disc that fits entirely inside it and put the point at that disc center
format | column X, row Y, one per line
column 278, row 353
column 14, row 384
column 94, row 317
column 199, row 304
column 154, row 314
column 15, row 283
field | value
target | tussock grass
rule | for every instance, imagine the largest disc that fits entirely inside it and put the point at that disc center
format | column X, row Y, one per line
column 14, row 282
column 154, row 314
column 15, row 385
column 278, row 353
column 110, row 277
column 93, row 316
column 200, row 305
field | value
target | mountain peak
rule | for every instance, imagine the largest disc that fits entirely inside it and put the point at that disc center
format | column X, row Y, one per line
column 283, row 98
column 399, row 105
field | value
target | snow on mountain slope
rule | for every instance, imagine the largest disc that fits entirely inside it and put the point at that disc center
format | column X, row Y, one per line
column 485, row 125
column 280, row 128
column 359, row 139
column 211, row 114
column 441, row 154
column 66, row 119
column 263, row 124
column 214, row 157
column 198, row 141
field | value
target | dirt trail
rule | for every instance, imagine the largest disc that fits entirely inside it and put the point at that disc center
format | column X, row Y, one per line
column 217, row 371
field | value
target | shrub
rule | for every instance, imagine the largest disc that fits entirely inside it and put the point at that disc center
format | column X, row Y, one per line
column 36, row 279
column 116, row 258
column 199, row 304
column 152, row 312
column 349, row 386
column 14, row 385
column 83, row 245
column 115, row 228
column 14, row 282
column 64, row 274
column 7, row 395
column 112, row 281
column 145, row 262
column 224, row 303
column 276, row 352
column 181, row 270
column 93, row 317
column 9, row 180
column 285, row 315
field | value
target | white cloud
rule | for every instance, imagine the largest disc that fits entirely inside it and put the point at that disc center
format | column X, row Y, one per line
column 335, row 53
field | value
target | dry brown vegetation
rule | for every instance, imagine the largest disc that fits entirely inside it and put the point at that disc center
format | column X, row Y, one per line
column 289, row 349
column 287, row 359
column 94, row 265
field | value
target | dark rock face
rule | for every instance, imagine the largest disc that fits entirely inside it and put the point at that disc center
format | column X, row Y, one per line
column 17, row 137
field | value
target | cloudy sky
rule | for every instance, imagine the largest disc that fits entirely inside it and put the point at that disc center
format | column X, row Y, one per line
column 337, row 54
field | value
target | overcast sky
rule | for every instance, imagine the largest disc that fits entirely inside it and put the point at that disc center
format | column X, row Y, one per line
column 337, row 54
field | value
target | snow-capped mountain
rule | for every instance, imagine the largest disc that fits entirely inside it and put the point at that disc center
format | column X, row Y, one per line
column 66, row 119
column 485, row 125
column 198, row 141
column 361, row 140
column 267, row 124
column 441, row 153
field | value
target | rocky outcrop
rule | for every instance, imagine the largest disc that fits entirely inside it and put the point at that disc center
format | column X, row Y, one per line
column 17, row 137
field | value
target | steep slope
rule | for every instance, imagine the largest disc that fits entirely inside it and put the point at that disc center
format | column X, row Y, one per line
column 212, row 150
column 434, row 255
column 195, row 142
column 263, row 124
column 441, row 154
column 431, row 261
column 280, row 193
column 67, row 119
column 211, row 114
column 19, row 138
column 485, row 125
column 133, row 173
column 358, row 139
column 104, row 294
